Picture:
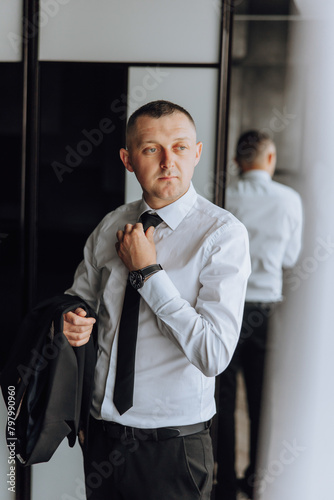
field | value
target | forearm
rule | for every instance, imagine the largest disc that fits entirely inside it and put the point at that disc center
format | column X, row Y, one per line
column 207, row 333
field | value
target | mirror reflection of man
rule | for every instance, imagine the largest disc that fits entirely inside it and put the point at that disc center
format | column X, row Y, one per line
column 190, row 274
column 272, row 214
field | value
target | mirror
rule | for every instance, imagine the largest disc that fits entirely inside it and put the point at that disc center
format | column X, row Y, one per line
column 262, row 98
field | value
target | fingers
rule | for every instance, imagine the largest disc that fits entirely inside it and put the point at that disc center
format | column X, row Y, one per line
column 149, row 233
column 135, row 248
column 77, row 327
column 123, row 236
column 78, row 319
column 128, row 228
column 76, row 339
column 80, row 312
column 119, row 235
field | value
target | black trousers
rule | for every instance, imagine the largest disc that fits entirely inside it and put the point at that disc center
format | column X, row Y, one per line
column 134, row 469
column 249, row 356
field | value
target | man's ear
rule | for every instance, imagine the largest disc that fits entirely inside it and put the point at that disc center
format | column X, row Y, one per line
column 272, row 157
column 125, row 157
column 199, row 147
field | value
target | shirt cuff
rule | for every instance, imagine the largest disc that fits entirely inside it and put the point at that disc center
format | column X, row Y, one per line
column 158, row 290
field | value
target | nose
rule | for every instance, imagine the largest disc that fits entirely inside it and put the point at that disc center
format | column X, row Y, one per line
column 167, row 160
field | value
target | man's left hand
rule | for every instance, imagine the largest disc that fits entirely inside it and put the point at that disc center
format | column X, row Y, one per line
column 135, row 248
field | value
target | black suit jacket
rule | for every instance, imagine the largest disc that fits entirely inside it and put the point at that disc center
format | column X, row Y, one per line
column 52, row 382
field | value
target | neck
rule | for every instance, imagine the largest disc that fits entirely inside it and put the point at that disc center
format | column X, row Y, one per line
column 257, row 167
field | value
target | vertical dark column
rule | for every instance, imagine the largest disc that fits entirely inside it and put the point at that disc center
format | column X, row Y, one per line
column 221, row 149
column 223, row 100
column 29, row 174
column 29, row 151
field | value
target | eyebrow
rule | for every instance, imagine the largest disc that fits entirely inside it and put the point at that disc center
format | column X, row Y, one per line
column 152, row 141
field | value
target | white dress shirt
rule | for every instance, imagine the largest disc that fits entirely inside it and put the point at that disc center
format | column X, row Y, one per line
column 272, row 214
column 190, row 312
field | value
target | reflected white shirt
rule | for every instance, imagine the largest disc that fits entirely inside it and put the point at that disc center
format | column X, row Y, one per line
column 272, row 214
column 190, row 312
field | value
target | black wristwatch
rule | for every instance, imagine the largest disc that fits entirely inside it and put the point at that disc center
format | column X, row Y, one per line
column 137, row 278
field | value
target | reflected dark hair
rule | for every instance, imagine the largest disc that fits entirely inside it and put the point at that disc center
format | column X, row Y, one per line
column 156, row 109
column 250, row 146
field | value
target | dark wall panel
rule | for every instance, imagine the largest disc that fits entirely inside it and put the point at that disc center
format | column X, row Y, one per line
column 10, row 202
column 81, row 176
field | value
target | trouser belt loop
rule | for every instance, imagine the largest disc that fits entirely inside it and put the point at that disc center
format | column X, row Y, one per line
column 208, row 424
column 129, row 433
column 155, row 435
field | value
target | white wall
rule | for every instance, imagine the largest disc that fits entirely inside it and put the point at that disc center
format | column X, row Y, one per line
column 196, row 90
column 131, row 30
column 11, row 13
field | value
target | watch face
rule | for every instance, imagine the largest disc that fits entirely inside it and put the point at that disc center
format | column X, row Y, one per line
column 136, row 279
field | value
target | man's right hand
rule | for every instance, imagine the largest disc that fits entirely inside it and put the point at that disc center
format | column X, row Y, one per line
column 78, row 328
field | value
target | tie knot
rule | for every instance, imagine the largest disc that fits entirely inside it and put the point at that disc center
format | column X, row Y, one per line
column 150, row 220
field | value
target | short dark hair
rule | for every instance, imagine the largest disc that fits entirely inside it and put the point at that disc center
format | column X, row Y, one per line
column 250, row 146
column 156, row 109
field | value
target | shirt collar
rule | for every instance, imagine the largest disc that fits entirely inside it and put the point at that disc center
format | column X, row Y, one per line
column 257, row 175
column 174, row 213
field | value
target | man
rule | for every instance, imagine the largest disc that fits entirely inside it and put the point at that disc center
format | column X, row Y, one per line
column 272, row 214
column 195, row 265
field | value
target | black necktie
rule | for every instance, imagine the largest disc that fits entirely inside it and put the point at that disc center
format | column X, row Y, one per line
column 125, row 370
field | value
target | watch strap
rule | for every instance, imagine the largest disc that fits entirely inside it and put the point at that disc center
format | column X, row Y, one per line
column 149, row 270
